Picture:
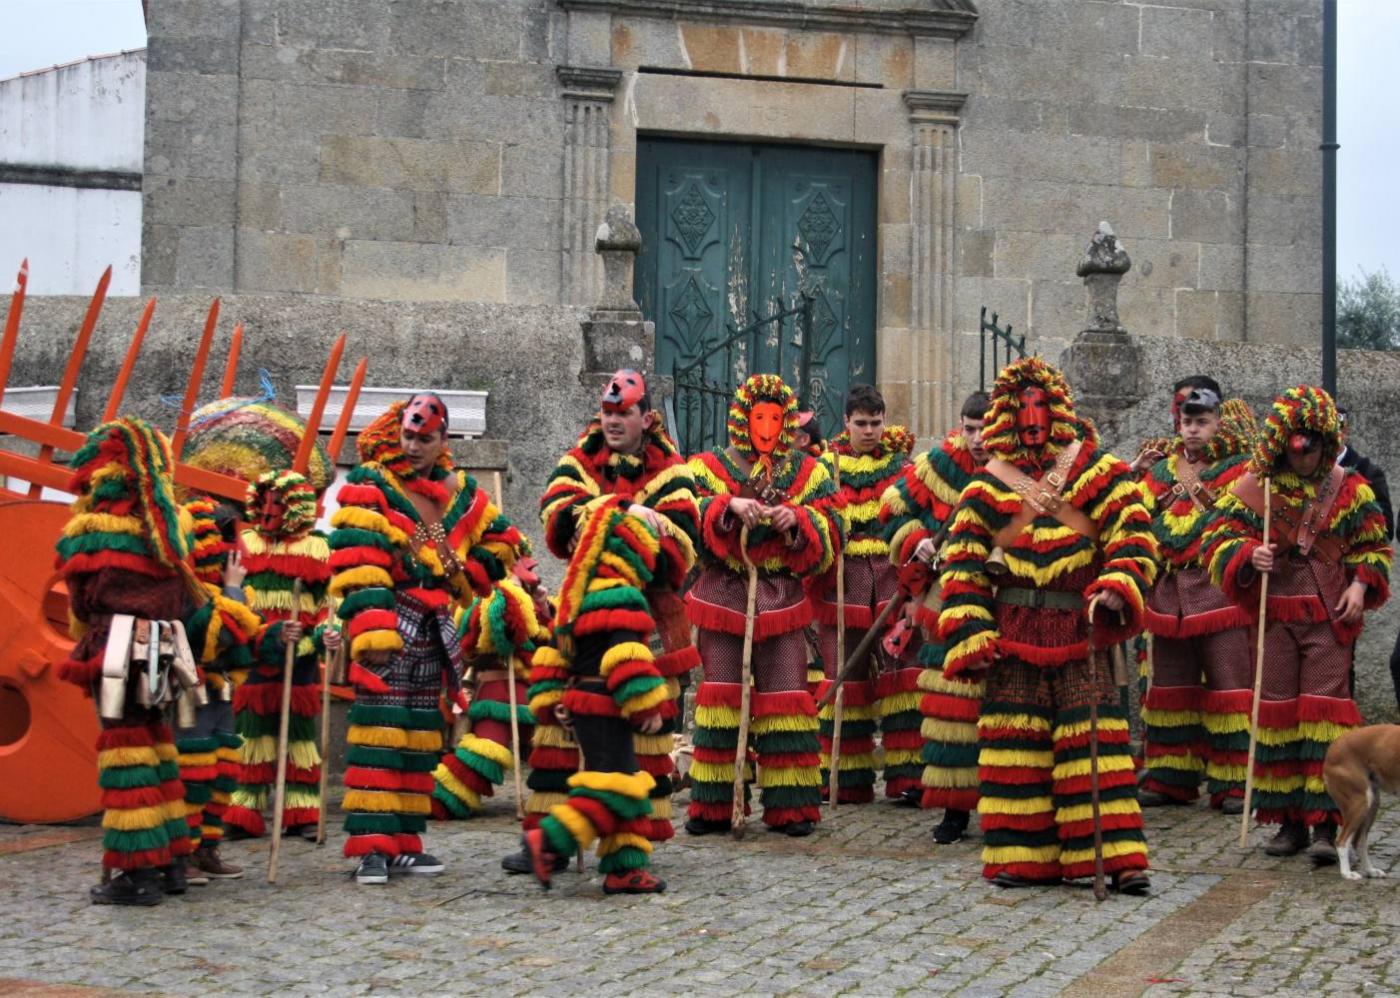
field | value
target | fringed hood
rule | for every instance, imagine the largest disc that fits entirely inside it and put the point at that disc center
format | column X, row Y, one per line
column 379, row 443
column 289, row 491
column 762, row 388
column 1300, row 409
column 999, row 435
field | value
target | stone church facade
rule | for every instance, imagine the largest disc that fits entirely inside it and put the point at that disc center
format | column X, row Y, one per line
column 440, row 151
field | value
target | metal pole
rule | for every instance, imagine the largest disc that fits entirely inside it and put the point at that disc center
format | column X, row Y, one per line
column 1329, row 195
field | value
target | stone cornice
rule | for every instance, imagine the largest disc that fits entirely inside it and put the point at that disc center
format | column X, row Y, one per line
column 946, row 18
column 937, row 106
column 589, row 82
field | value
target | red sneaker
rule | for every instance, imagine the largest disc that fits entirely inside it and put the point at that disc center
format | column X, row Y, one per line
column 541, row 859
column 633, row 882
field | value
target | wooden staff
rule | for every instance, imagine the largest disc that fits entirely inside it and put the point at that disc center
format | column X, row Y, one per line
column 1258, row 681
column 279, row 793
column 741, row 745
column 1095, row 808
column 335, row 664
column 833, row 779
column 515, row 740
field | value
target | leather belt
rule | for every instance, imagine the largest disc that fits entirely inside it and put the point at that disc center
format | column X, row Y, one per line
column 1038, row 599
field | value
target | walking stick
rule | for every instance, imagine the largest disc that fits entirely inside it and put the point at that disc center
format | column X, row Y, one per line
column 279, row 792
column 1100, row 889
column 336, row 664
column 833, row 787
column 515, row 740
column 1258, row 682
column 741, row 746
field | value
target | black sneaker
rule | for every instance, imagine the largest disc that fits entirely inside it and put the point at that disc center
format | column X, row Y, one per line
column 913, row 797
column 419, row 863
column 705, row 826
column 136, row 887
column 952, row 827
column 798, row 829
column 519, row 862
column 373, row 869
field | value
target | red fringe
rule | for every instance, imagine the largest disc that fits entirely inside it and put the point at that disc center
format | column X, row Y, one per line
column 363, row 845
column 124, row 737
column 561, row 759
column 786, row 703
column 902, row 739
column 1312, row 707
column 1011, row 776
column 659, row 830
column 124, row 800
column 859, row 693
column 898, row 681
column 860, row 617
column 97, row 560
column 1210, row 622
column 601, row 621
column 793, row 760
column 678, row 662
column 656, row 765
column 957, row 800
column 1111, row 865
column 589, row 704
column 363, row 778
column 1227, row 701
column 1052, row 656
column 1174, row 698
column 717, row 695
column 1107, row 781
column 945, row 707
column 372, row 620
column 775, row 817
column 294, row 816
column 81, row 673
column 767, row 624
column 1278, row 714
column 265, row 699
column 143, row 859
column 468, row 776
column 1037, row 822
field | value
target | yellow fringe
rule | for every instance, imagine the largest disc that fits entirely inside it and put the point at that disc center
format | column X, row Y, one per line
column 553, row 736
column 711, row 772
column 1067, row 731
column 849, row 761
column 1016, row 758
column 1080, row 767
column 253, row 800
column 386, row 802
column 383, row 639
column 849, row 712
column 1019, row 722
column 932, row 681
column 488, row 749
column 1171, row 718
column 806, row 776
column 1085, row 812
column 950, row 777
column 166, row 751
column 107, row 523
column 360, row 577
column 364, row 518
column 1322, row 732
column 949, row 732
column 579, row 827
column 135, row 819
column 717, row 717
column 1111, row 850
column 653, row 744
column 637, row 785
column 542, row 802
column 649, row 700
column 301, row 795
column 1019, row 854
column 661, row 808
column 1226, row 774
column 783, row 722
column 1225, row 724
column 1015, row 805
column 1278, row 736
column 624, row 651
column 136, row 755
column 621, row 840
column 902, row 757
column 457, row 788
column 189, row 761
column 899, row 703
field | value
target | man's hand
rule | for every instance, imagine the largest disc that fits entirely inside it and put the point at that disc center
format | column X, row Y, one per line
column 1111, row 600
column 925, row 551
column 234, row 572
column 650, row 516
column 746, row 511
column 783, row 518
column 330, row 637
column 1145, row 459
column 1262, row 558
column 651, row 725
column 291, row 632
column 1352, row 603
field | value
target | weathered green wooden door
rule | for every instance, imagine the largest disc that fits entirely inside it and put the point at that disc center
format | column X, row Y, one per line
column 756, row 259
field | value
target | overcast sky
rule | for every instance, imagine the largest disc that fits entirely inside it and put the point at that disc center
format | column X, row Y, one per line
column 39, row 33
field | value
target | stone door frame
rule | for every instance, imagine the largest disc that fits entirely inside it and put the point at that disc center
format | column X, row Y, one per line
column 770, row 72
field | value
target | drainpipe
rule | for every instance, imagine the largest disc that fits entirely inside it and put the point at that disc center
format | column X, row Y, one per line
column 1329, row 148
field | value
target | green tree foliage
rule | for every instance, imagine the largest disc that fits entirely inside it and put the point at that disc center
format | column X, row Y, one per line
column 1368, row 312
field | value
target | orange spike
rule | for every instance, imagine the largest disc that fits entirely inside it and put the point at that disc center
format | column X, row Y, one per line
column 124, row 375
column 231, row 367
column 7, row 345
column 342, row 425
column 201, row 357
column 318, row 408
column 75, row 365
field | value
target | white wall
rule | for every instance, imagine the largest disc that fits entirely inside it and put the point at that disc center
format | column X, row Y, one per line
column 86, row 116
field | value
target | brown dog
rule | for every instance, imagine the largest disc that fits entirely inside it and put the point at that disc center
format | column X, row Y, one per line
column 1358, row 766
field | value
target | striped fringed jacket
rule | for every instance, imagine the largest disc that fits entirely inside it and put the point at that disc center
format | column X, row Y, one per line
column 373, row 552
column 1046, row 555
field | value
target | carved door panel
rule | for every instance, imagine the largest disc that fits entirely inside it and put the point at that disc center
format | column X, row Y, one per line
column 729, row 229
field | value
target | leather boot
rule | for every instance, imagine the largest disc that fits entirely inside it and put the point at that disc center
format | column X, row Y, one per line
column 1291, row 839
column 1323, row 850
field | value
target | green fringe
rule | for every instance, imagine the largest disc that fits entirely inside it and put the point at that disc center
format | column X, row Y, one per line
column 369, row 823
column 625, row 859
column 791, row 796
column 557, row 837
column 496, row 710
column 196, row 746
column 135, row 841
column 487, row 768
column 626, row 808
column 786, row 742
column 456, row 808
column 128, row 777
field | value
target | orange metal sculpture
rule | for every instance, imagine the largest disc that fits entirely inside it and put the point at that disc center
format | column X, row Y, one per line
column 48, row 728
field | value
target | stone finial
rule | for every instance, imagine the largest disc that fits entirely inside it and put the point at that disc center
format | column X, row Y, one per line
column 1102, row 266
column 618, row 241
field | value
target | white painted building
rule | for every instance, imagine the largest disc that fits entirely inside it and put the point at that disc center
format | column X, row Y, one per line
column 71, row 158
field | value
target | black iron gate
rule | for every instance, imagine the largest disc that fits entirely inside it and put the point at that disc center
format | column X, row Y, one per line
column 704, row 386
column 999, row 343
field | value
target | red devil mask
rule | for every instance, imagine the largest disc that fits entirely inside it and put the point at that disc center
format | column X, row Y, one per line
column 1303, row 443
column 765, row 426
column 425, row 414
column 1033, row 418
column 626, row 389
column 273, row 511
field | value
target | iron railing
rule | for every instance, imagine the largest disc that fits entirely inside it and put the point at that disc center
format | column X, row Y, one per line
column 998, row 342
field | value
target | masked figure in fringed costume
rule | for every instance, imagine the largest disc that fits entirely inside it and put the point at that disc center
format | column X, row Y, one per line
column 784, row 498
column 1066, row 522
column 498, row 637
column 626, row 452
column 412, row 535
column 889, row 699
column 281, row 546
column 1328, row 562
column 209, row 749
column 601, row 672
column 917, row 515
column 1193, row 728
column 125, row 556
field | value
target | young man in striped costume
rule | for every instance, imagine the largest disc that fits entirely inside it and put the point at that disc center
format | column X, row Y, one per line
column 1196, row 710
column 412, row 538
column 862, row 465
column 1065, row 522
column 1328, row 561
column 917, row 514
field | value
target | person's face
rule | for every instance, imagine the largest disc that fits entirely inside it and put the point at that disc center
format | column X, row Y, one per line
column 422, row 449
column 1033, row 418
column 1197, row 430
column 972, row 433
column 1304, row 462
column 765, row 426
column 273, row 511
column 623, row 429
column 864, row 429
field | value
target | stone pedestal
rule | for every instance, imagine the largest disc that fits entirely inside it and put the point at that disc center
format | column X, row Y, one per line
column 615, row 335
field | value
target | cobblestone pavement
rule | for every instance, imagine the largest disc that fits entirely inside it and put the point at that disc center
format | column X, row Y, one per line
column 866, row 906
